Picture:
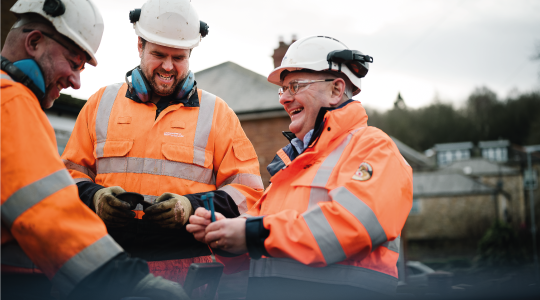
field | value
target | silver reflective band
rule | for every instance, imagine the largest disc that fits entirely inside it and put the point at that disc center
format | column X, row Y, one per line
column 204, row 126
column 103, row 114
column 107, row 165
column 393, row 245
column 76, row 167
column 319, row 192
column 324, row 235
column 30, row 195
column 77, row 180
column 84, row 263
column 147, row 198
column 5, row 76
column 237, row 196
column 250, row 180
column 363, row 213
column 331, row 274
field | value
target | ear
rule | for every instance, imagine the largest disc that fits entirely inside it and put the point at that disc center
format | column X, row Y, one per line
column 140, row 47
column 34, row 43
column 338, row 89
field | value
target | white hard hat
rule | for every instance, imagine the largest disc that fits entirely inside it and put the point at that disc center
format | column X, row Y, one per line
column 79, row 20
column 170, row 23
column 322, row 53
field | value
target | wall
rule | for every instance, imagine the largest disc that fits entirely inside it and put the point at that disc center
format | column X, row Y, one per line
column 265, row 135
column 513, row 185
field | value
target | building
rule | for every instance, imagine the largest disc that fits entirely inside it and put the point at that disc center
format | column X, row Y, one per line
column 495, row 150
column 447, row 153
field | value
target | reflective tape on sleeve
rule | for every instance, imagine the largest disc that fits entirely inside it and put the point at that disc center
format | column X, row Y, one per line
column 103, row 114
column 324, row 235
column 237, row 196
column 250, row 180
column 76, row 167
column 84, row 263
column 30, row 195
column 77, row 180
column 393, row 245
column 140, row 165
column 204, row 126
column 363, row 213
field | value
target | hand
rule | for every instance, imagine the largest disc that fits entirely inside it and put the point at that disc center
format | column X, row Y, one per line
column 158, row 288
column 113, row 211
column 199, row 221
column 170, row 211
column 228, row 235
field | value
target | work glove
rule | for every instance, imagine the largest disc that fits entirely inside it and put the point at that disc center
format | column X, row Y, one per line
column 158, row 288
column 113, row 211
column 170, row 211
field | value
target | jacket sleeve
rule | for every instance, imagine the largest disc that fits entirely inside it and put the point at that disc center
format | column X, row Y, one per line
column 40, row 207
column 361, row 214
column 238, row 179
column 78, row 156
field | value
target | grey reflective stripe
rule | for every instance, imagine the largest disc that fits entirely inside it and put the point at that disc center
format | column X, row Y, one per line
column 331, row 274
column 77, row 180
column 13, row 255
column 5, row 76
column 324, row 235
column 363, row 213
column 76, row 167
column 237, row 196
column 147, row 198
column 325, row 170
column 107, row 165
column 204, row 126
column 393, row 245
column 103, row 113
column 251, row 180
column 28, row 196
column 85, row 262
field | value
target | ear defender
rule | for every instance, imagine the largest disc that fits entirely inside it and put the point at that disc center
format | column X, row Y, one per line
column 185, row 86
column 139, row 84
column 31, row 69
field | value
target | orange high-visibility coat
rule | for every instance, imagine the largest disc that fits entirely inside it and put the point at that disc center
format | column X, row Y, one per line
column 335, row 212
column 43, row 220
column 119, row 142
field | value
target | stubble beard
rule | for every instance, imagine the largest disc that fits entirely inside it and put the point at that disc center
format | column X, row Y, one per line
column 47, row 67
column 162, row 90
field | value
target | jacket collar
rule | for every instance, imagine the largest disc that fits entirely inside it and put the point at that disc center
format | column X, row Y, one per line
column 347, row 116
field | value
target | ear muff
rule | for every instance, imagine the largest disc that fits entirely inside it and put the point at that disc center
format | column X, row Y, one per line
column 185, row 86
column 139, row 84
column 27, row 72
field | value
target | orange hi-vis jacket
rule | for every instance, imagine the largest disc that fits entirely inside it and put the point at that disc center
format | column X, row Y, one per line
column 334, row 213
column 118, row 142
column 43, row 220
column 186, row 150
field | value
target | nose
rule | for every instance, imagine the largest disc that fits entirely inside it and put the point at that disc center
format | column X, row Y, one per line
column 167, row 64
column 75, row 80
column 286, row 98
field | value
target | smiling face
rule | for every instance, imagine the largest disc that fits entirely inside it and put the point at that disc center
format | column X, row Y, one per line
column 60, row 61
column 163, row 67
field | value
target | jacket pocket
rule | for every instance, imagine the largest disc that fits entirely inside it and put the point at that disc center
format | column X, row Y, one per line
column 112, row 148
column 243, row 149
column 185, row 154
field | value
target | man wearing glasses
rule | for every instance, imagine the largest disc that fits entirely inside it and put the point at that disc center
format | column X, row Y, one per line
column 47, row 232
column 328, row 227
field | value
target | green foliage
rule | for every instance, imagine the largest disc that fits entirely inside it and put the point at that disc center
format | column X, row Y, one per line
column 501, row 247
column 483, row 118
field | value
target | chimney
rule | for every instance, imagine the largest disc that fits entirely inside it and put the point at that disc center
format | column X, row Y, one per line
column 280, row 51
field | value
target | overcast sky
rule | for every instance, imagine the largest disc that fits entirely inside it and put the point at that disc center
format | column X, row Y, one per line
column 425, row 49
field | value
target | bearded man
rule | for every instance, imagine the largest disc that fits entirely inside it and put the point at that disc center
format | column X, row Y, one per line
column 160, row 136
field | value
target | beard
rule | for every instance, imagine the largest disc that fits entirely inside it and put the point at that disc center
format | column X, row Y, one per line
column 46, row 63
column 162, row 90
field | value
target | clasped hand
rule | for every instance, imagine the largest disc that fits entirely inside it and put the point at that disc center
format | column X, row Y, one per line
column 225, row 234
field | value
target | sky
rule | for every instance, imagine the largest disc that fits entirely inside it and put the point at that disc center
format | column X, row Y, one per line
column 426, row 50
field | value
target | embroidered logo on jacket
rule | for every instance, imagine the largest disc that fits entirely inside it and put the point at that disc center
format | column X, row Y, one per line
column 173, row 134
column 363, row 173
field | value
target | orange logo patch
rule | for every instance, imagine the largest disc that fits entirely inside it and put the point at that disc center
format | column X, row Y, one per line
column 363, row 173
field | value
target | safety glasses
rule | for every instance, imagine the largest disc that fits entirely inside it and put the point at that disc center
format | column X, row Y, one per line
column 75, row 66
column 295, row 86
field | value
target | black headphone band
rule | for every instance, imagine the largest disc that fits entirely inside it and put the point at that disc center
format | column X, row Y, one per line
column 20, row 77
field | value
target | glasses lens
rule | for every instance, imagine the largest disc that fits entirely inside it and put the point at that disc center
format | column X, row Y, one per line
column 280, row 91
column 294, row 86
